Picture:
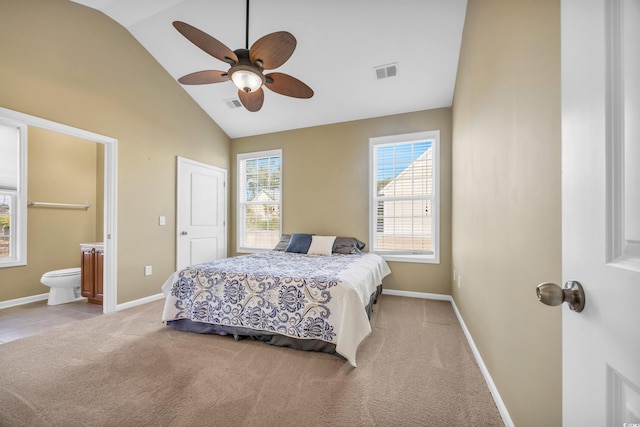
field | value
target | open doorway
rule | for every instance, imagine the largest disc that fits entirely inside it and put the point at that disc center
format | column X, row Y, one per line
column 109, row 199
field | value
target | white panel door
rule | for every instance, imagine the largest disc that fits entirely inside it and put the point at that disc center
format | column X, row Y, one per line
column 202, row 207
column 601, row 210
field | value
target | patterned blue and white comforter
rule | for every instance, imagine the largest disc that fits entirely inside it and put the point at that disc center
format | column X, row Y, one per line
column 300, row 296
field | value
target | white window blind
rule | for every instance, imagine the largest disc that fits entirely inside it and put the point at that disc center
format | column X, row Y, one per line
column 259, row 200
column 9, row 157
column 404, row 197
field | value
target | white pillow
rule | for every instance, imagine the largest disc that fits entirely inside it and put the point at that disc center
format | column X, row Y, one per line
column 321, row 245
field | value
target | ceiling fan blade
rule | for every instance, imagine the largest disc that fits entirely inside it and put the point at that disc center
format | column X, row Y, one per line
column 207, row 43
column 273, row 50
column 286, row 85
column 204, row 77
column 252, row 101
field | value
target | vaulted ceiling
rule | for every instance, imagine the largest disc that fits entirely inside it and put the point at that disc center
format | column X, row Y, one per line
column 340, row 43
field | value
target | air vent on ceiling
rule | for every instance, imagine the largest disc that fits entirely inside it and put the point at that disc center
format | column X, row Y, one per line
column 233, row 103
column 386, row 71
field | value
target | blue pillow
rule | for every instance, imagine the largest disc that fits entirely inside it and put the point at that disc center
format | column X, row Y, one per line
column 299, row 243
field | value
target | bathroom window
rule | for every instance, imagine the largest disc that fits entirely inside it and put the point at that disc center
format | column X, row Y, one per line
column 13, row 183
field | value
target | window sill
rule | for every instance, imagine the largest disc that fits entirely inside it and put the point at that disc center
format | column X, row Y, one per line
column 12, row 263
column 251, row 250
column 422, row 259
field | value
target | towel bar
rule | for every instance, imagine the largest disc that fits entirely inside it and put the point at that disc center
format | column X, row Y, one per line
column 60, row 205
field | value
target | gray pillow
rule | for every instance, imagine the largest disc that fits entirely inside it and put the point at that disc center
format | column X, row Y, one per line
column 347, row 246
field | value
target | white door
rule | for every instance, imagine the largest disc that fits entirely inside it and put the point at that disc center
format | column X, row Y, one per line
column 601, row 210
column 201, row 213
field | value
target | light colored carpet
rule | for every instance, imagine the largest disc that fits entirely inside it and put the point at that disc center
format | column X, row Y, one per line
column 129, row 369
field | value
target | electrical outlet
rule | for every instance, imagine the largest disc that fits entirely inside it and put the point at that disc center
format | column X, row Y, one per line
column 162, row 220
column 148, row 270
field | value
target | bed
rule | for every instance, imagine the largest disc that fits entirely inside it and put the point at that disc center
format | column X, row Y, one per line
column 298, row 296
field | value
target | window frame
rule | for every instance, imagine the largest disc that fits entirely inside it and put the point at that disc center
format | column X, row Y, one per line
column 407, row 138
column 18, row 215
column 241, row 247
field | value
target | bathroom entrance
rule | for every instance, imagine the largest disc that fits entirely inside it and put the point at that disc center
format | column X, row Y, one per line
column 72, row 190
column 65, row 215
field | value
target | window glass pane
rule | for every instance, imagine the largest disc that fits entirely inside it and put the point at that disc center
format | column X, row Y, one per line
column 398, row 165
column 405, row 226
column 5, row 225
column 262, row 225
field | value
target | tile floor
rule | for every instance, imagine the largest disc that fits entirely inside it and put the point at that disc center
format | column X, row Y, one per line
column 33, row 318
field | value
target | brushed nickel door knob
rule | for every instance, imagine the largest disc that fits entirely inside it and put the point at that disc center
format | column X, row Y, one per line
column 571, row 293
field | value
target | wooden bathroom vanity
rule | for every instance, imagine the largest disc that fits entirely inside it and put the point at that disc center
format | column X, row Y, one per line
column 91, row 265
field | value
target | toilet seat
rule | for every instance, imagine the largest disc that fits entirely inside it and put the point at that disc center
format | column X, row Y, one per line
column 62, row 273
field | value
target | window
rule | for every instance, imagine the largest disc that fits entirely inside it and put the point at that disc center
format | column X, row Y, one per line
column 404, row 200
column 259, row 200
column 13, row 217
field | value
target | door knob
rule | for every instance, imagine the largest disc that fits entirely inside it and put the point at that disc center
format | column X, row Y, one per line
column 184, row 233
column 571, row 293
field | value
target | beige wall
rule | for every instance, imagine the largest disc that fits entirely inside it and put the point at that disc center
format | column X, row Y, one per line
column 507, row 197
column 74, row 65
column 325, row 185
column 62, row 169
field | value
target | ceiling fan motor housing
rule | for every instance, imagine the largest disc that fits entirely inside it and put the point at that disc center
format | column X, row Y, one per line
column 246, row 75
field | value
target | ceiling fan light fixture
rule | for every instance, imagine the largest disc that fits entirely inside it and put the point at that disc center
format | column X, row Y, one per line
column 246, row 78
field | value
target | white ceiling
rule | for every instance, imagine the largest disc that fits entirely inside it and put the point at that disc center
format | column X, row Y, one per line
column 339, row 44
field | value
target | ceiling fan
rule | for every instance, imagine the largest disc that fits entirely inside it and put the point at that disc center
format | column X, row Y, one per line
column 247, row 65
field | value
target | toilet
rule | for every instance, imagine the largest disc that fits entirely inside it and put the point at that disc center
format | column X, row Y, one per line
column 64, row 284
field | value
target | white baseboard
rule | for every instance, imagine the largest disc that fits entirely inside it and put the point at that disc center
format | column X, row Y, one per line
column 23, row 300
column 40, row 297
column 140, row 301
column 504, row 413
column 411, row 294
